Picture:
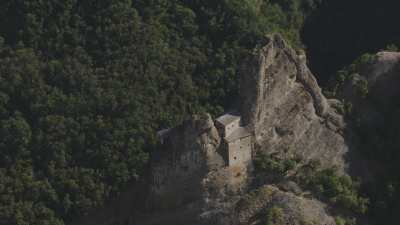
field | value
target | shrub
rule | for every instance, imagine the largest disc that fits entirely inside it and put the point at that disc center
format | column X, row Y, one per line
column 339, row 190
column 274, row 216
column 392, row 48
column 273, row 165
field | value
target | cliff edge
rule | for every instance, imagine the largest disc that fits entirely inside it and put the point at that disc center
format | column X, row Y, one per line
column 284, row 106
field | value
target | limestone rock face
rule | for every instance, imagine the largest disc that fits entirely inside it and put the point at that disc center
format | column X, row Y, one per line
column 283, row 104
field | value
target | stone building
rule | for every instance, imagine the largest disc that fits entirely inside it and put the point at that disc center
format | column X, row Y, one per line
column 237, row 139
column 163, row 135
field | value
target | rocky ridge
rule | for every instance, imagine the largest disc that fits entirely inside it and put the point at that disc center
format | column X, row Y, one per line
column 282, row 104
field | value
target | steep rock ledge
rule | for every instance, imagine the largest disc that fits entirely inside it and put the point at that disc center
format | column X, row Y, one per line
column 283, row 104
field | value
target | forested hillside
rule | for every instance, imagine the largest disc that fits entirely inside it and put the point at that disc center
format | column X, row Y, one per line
column 84, row 85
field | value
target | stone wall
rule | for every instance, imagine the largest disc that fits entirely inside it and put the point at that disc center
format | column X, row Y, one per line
column 240, row 152
column 230, row 128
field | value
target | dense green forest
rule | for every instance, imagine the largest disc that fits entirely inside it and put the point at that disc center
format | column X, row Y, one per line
column 84, row 86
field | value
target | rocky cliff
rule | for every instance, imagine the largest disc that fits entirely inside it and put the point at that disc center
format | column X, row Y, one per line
column 282, row 105
column 282, row 102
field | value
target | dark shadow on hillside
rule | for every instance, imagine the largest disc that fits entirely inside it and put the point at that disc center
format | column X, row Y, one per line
column 342, row 30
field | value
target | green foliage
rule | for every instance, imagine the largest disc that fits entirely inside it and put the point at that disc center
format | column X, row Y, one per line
column 363, row 60
column 362, row 88
column 345, row 108
column 392, row 48
column 274, row 216
column 270, row 164
column 345, row 221
column 63, row 153
column 338, row 189
column 340, row 221
column 348, row 73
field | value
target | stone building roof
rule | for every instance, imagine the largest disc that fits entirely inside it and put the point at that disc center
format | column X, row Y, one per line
column 163, row 133
column 228, row 118
column 240, row 132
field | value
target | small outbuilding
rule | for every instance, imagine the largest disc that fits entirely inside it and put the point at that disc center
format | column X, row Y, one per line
column 163, row 135
column 237, row 138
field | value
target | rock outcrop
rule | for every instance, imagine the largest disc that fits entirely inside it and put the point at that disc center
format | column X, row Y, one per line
column 381, row 77
column 283, row 108
column 186, row 157
column 269, row 203
column 190, row 183
column 286, row 113
column 384, row 67
column 283, row 104
column 372, row 91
